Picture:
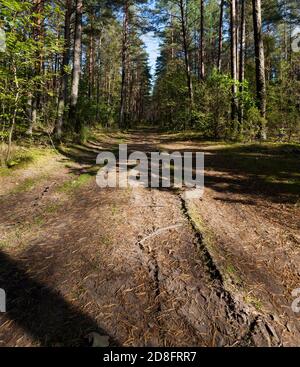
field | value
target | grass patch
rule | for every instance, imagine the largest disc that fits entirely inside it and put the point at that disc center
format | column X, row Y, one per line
column 228, row 271
column 16, row 238
column 276, row 166
column 52, row 208
column 251, row 300
column 264, row 149
column 4, row 244
column 183, row 135
column 207, row 235
column 233, row 274
column 114, row 210
column 232, row 278
column 72, row 185
column 23, row 157
column 105, row 240
column 27, row 185
column 39, row 221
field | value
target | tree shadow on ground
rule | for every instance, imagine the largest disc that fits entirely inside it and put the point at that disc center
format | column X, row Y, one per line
column 41, row 311
column 86, row 153
column 275, row 177
column 270, row 171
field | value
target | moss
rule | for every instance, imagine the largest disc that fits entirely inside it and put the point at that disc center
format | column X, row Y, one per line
column 4, row 244
column 27, row 185
column 74, row 184
column 253, row 301
column 24, row 157
column 105, row 240
column 207, row 235
column 114, row 210
column 228, row 271
column 52, row 208
column 39, row 221
column 5, row 171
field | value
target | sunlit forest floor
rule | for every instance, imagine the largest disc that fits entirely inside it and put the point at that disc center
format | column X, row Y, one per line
column 143, row 266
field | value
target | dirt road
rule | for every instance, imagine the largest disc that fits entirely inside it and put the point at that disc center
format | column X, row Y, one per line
column 143, row 266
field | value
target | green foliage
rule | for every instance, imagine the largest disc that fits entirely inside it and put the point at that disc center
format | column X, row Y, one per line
column 31, row 75
column 69, row 186
column 213, row 98
column 284, row 95
column 21, row 79
column 253, row 124
column 84, row 131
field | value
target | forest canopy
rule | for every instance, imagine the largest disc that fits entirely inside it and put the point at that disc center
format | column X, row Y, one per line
column 226, row 69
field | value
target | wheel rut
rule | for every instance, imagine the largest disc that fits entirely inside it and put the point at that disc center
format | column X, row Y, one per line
column 228, row 321
column 137, row 264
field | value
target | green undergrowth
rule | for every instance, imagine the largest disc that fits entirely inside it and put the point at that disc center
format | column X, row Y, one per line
column 25, row 157
column 75, row 183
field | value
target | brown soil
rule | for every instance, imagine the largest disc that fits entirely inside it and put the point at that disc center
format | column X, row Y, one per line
column 142, row 265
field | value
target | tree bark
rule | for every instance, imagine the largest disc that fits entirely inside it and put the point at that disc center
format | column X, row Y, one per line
column 76, row 66
column 123, row 106
column 63, row 93
column 242, row 57
column 11, row 130
column 220, row 45
column 201, row 45
column 37, row 36
column 172, row 38
column 234, row 107
column 98, row 77
column 186, row 53
column 259, row 61
column 91, row 58
column 237, row 33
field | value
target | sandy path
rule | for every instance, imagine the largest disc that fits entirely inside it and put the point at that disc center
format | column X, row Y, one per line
column 130, row 264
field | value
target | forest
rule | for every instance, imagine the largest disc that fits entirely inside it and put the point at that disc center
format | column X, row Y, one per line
column 225, row 69
column 141, row 266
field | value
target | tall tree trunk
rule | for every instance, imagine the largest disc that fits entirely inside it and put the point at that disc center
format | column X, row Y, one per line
column 237, row 33
column 37, row 35
column 242, row 57
column 220, row 45
column 98, row 78
column 201, row 45
column 186, row 53
column 172, row 38
column 14, row 116
column 91, row 56
column 63, row 93
column 123, row 107
column 76, row 66
column 234, row 107
column 260, row 62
